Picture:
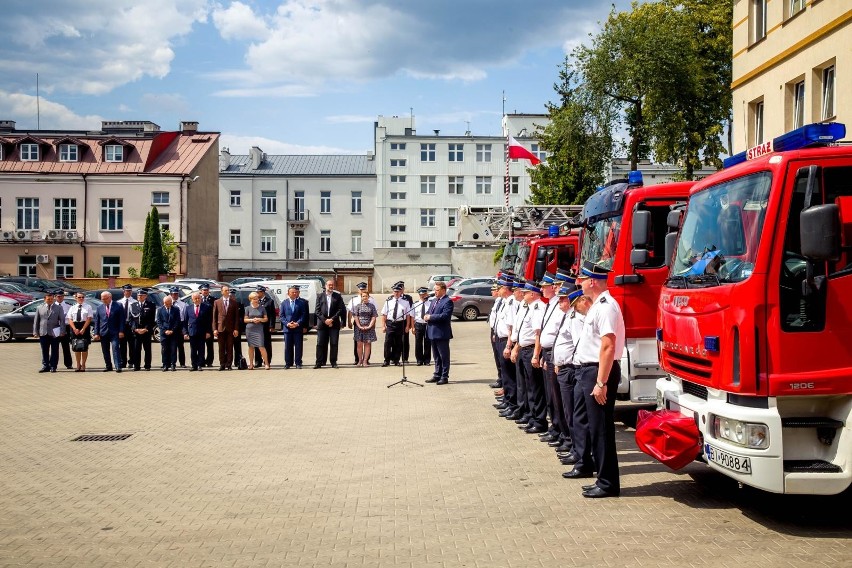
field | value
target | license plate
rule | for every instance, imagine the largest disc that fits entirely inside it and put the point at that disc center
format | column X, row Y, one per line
column 739, row 464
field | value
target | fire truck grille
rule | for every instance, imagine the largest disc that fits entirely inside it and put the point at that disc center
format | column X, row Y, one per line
column 689, row 366
column 810, row 466
column 695, row 390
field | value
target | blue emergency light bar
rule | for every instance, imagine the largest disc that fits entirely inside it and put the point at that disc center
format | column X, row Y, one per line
column 634, row 178
column 808, row 135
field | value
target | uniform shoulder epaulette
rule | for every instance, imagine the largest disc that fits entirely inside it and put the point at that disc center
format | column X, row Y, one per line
column 389, row 298
column 603, row 300
column 535, row 306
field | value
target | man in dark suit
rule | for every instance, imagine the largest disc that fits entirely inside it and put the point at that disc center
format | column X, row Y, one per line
column 294, row 324
column 143, row 329
column 206, row 298
column 126, row 343
column 269, row 305
column 171, row 328
column 331, row 313
column 48, row 325
column 226, row 327
column 197, row 330
column 109, row 322
column 439, row 331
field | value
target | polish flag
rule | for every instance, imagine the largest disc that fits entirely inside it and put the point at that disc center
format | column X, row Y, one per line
column 518, row 152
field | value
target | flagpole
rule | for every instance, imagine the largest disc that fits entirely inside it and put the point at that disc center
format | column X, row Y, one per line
column 506, row 178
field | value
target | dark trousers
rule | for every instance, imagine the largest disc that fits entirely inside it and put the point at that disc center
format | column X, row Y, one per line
column 49, row 351
column 441, row 355
column 142, row 342
column 565, row 378
column 393, row 343
column 508, row 374
column 327, row 340
column 293, row 345
column 126, row 348
column 534, row 383
column 552, row 395
column 422, row 345
column 406, row 347
column 107, row 342
column 226, row 349
column 65, row 343
column 601, row 424
column 180, row 349
column 196, row 350
column 497, row 357
column 168, row 349
column 208, row 352
column 521, row 388
column 238, row 350
column 267, row 344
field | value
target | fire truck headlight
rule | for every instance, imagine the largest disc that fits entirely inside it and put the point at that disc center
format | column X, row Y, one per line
column 660, row 401
column 745, row 434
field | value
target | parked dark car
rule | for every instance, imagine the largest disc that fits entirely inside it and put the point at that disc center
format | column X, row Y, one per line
column 19, row 323
column 472, row 302
column 16, row 287
column 154, row 295
column 242, row 295
column 40, row 284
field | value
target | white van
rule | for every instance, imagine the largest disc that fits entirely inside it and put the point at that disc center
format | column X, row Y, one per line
column 308, row 290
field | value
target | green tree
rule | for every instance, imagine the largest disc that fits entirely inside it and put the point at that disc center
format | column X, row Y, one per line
column 155, row 246
column 170, row 251
column 145, row 264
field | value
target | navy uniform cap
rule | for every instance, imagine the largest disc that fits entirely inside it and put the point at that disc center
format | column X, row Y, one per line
column 506, row 283
column 361, row 285
column 142, row 291
column 564, row 275
column 204, row 287
column 531, row 287
column 548, row 279
column 397, row 286
column 127, row 287
column 260, row 289
column 592, row 270
column 495, row 287
column 59, row 292
column 423, row 290
column 174, row 290
column 574, row 296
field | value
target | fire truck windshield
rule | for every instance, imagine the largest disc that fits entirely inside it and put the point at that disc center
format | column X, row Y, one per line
column 599, row 241
column 521, row 256
column 720, row 236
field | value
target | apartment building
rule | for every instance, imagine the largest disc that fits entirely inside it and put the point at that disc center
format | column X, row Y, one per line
column 296, row 214
column 792, row 65
column 74, row 203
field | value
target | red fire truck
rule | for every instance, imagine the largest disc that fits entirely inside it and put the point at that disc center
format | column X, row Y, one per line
column 754, row 320
column 624, row 229
column 538, row 255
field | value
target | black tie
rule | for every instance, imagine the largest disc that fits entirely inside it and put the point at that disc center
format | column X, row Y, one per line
column 79, row 314
column 422, row 310
column 395, row 306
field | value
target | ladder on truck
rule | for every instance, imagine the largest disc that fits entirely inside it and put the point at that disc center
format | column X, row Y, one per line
column 496, row 224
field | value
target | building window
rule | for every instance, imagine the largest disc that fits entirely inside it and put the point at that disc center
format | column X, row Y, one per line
column 268, row 202
column 299, row 213
column 164, row 222
column 451, row 217
column 758, row 123
column 27, row 266
column 397, row 163
column 397, row 195
column 427, row 244
column 538, row 152
column 236, row 238
column 356, row 202
column 427, row 217
column 325, row 202
column 64, row 267
column 112, row 214
column 397, row 211
column 798, row 104
column 160, row 198
column 65, row 213
column 68, row 153
column 483, row 152
column 325, row 241
column 456, row 185
column 451, row 243
column 114, row 153
column 397, row 179
column 427, row 152
column 355, row 241
column 267, row 240
column 110, row 266
column 427, row 185
column 29, row 152
column 514, row 185
column 483, row 185
column 236, row 198
column 827, row 93
column 393, row 244
column 27, row 213
column 397, row 228
column 397, row 146
column 794, row 7
column 299, row 252
column 456, row 153
column 758, row 20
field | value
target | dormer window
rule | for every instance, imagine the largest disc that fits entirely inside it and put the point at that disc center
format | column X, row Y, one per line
column 29, row 152
column 69, row 153
column 114, row 153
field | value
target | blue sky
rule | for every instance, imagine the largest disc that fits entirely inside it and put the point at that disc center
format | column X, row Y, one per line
column 292, row 76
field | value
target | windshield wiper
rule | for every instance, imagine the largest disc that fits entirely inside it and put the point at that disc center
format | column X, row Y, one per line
column 677, row 281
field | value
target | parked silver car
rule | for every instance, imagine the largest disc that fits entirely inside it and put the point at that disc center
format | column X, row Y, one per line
column 472, row 302
column 19, row 323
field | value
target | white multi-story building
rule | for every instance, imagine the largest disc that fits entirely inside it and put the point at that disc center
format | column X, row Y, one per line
column 296, row 214
column 422, row 179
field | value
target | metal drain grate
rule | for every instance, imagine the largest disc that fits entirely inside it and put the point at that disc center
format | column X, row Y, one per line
column 101, row 437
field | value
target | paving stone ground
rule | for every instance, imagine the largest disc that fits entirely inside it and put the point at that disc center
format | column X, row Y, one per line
column 331, row 468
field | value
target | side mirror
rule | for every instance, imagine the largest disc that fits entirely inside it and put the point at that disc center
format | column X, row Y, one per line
column 641, row 229
column 819, row 232
column 639, row 257
column 673, row 218
column 671, row 243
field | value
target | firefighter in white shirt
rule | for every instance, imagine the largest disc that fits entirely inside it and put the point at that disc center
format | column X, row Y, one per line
column 422, row 345
column 513, row 320
column 527, row 330
column 395, row 323
column 557, row 434
column 503, row 321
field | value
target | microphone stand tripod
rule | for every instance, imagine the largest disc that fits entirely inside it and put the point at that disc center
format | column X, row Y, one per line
column 404, row 380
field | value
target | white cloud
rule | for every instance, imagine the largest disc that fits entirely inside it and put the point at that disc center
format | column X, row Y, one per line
column 23, row 109
column 239, row 22
column 240, row 145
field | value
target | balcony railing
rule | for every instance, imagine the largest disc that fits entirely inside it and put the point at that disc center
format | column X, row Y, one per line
column 299, row 254
column 298, row 215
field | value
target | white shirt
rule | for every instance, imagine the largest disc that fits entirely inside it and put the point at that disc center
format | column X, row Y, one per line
column 505, row 317
column 401, row 306
column 180, row 305
column 528, row 323
column 604, row 318
column 421, row 308
column 356, row 300
column 550, row 324
column 85, row 313
column 563, row 347
column 495, row 308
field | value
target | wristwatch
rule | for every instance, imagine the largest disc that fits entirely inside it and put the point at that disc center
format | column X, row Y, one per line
column 600, row 384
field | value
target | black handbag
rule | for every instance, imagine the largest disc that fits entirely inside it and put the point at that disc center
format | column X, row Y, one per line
column 78, row 345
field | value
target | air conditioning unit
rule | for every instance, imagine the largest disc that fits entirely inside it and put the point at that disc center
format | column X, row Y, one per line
column 23, row 235
column 9, row 235
column 71, row 235
column 52, row 235
column 42, row 259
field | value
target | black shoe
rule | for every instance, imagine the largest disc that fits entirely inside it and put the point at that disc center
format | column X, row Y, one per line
column 396, row 363
column 118, row 370
column 174, row 369
column 107, row 370
column 570, row 459
column 521, row 420
column 500, row 406
column 576, row 474
column 535, row 430
column 442, row 382
column 317, row 366
column 221, row 368
column 44, row 370
column 496, row 385
column 598, row 493
column 334, row 366
column 53, row 369
column 192, row 370
column 147, row 368
column 555, row 443
column 385, row 364
column 165, row 369
column 287, row 367
column 547, row 438
column 589, row 487
column 507, row 413
column 298, row 366
column 432, row 380
column 564, row 448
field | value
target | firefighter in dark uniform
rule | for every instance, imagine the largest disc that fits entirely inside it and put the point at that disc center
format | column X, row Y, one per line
column 144, row 330
column 206, row 298
column 126, row 348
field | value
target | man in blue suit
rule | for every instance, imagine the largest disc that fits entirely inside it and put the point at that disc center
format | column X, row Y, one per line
column 439, row 331
column 197, row 326
column 171, row 328
column 109, row 329
column 294, row 323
